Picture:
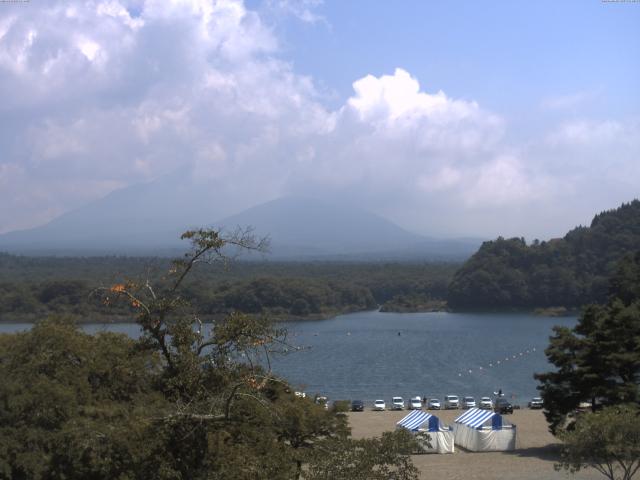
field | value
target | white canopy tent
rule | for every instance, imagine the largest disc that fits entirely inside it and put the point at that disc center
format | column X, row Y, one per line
column 430, row 434
column 484, row 431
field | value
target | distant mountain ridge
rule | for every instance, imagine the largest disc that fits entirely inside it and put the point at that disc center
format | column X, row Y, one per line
column 569, row 272
column 134, row 219
column 299, row 226
column 144, row 221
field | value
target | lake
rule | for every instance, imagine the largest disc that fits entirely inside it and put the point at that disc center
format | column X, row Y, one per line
column 371, row 355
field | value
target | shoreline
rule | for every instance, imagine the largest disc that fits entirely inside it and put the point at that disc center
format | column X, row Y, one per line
column 122, row 319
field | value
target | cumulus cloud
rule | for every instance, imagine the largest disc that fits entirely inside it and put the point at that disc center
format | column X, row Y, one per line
column 101, row 94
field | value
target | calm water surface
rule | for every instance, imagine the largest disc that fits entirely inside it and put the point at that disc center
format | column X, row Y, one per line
column 371, row 355
column 377, row 355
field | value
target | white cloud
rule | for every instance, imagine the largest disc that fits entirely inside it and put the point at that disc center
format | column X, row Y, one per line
column 89, row 48
column 103, row 94
column 604, row 154
column 305, row 10
column 590, row 133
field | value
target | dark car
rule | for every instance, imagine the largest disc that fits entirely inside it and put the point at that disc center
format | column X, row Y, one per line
column 536, row 403
column 357, row 406
column 503, row 405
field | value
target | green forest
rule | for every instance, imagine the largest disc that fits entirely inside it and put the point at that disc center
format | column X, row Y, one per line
column 569, row 272
column 33, row 287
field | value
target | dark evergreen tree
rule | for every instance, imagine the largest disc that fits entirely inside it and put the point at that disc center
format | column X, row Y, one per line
column 599, row 359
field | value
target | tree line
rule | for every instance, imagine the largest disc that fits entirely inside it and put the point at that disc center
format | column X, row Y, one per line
column 32, row 288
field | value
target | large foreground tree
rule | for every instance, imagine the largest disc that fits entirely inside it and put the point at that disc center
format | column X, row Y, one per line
column 186, row 400
column 608, row 441
column 599, row 359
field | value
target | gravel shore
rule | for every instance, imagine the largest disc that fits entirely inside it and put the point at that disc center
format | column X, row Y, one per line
column 533, row 459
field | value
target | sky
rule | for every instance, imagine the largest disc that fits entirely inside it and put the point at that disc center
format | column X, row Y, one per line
column 467, row 118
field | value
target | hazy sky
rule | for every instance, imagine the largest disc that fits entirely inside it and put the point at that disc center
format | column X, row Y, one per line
column 450, row 118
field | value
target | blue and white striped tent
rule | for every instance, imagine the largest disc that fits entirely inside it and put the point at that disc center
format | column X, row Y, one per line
column 417, row 418
column 476, row 418
column 440, row 437
column 484, row 431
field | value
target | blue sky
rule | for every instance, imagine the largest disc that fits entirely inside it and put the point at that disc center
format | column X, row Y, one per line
column 450, row 118
column 506, row 55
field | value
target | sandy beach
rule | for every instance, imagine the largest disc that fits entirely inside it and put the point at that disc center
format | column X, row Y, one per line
column 533, row 458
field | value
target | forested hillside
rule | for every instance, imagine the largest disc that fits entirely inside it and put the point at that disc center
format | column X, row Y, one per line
column 569, row 272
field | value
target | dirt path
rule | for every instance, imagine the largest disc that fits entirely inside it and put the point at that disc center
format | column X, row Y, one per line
column 532, row 460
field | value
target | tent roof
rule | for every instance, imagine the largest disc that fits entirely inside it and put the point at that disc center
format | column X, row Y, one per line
column 474, row 417
column 414, row 420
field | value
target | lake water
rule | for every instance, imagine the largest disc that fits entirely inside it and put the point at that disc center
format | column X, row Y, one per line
column 371, row 355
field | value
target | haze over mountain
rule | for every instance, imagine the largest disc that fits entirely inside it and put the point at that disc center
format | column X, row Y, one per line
column 137, row 219
column 299, row 226
column 146, row 220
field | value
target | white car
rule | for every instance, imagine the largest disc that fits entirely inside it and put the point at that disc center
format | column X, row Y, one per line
column 486, row 403
column 469, row 402
column 451, row 402
column 397, row 403
column 415, row 403
column 434, row 404
column 324, row 401
column 379, row 405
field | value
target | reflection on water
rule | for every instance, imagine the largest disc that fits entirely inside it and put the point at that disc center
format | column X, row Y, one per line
column 372, row 355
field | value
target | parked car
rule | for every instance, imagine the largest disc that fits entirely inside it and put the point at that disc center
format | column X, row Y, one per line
column 469, row 402
column 415, row 403
column 324, row 401
column 451, row 401
column 397, row 403
column 486, row 403
column 503, row 406
column 379, row 405
column 434, row 404
column 357, row 406
column 535, row 403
